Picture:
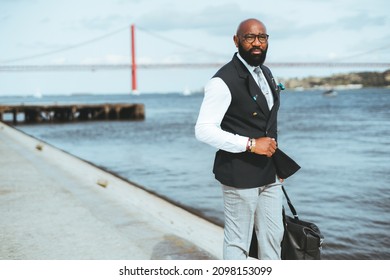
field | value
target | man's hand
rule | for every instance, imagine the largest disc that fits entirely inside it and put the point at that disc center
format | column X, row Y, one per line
column 265, row 146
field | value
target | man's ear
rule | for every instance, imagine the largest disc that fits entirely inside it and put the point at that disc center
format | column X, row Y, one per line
column 235, row 39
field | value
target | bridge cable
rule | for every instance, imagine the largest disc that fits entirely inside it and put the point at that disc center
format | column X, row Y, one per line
column 66, row 48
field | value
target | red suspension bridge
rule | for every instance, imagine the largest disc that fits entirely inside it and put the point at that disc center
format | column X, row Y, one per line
column 133, row 66
column 121, row 66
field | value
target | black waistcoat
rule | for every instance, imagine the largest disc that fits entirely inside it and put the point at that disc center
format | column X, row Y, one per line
column 246, row 117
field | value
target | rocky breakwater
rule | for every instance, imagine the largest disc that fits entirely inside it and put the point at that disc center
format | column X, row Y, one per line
column 350, row 80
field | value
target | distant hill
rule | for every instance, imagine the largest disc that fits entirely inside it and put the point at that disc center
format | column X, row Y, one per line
column 351, row 80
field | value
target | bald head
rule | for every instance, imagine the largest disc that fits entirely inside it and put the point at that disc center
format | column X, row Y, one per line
column 249, row 24
column 251, row 40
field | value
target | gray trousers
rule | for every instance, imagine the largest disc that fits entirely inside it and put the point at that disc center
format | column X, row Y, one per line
column 247, row 208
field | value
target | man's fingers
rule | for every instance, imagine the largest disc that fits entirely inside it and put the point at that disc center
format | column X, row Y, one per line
column 273, row 144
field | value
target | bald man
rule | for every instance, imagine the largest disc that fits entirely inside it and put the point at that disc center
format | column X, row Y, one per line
column 238, row 116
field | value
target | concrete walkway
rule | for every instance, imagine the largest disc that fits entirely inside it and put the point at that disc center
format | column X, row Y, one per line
column 55, row 206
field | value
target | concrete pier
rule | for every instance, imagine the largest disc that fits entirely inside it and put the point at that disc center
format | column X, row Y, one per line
column 71, row 112
column 56, row 206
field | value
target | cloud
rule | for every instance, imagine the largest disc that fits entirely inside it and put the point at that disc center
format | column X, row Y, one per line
column 102, row 23
column 362, row 20
column 5, row 17
column 214, row 19
column 351, row 24
column 45, row 20
column 58, row 61
column 106, row 59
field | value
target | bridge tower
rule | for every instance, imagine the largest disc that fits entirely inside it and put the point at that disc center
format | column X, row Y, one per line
column 133, row 62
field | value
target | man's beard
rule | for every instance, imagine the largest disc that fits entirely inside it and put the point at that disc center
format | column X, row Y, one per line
column 253, row 60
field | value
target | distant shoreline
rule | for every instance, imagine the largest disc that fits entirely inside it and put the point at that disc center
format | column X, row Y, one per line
column 341, row 81
column 352, row 80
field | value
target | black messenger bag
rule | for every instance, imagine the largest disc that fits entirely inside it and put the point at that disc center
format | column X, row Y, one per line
column 302, row 240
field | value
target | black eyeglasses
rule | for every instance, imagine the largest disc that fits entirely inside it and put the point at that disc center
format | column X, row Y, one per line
column 250, row 38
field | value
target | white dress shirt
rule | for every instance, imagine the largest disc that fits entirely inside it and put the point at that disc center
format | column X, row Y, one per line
column 216, row 101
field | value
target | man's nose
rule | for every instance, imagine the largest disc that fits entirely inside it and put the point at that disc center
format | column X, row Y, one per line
column 256, row 41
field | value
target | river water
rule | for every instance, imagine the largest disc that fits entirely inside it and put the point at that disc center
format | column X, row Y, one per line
column 342, row 144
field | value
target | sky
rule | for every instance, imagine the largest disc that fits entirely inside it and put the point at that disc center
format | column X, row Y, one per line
column 82, row 32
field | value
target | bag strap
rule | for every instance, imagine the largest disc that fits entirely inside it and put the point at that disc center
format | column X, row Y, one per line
column 293, row 211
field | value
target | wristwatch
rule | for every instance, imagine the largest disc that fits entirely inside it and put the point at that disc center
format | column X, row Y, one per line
column 251, row 145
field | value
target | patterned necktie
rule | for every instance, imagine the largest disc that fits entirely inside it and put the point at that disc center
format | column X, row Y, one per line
column 264, row 87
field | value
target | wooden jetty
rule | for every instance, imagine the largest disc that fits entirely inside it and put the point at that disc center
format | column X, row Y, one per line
column 70, row 113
